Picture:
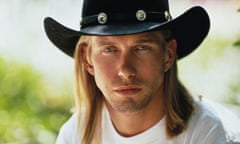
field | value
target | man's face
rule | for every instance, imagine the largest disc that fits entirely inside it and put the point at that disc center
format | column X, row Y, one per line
column 129, row 70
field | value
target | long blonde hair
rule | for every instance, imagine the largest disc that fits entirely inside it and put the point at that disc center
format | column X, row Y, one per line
column 89, row 99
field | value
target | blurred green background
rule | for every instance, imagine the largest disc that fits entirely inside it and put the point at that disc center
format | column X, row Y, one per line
column 36, row 79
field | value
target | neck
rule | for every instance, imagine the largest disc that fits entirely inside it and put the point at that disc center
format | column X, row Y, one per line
column 130, row 124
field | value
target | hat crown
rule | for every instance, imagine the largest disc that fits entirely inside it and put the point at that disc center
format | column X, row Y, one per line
column 93, row 7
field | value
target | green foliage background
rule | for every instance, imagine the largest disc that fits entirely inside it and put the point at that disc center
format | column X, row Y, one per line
column 29, row 114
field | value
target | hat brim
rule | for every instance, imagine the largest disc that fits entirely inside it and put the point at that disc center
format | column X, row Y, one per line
column 189, row 29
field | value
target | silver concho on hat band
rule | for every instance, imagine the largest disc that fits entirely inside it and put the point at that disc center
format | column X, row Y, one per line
column 102, row 18
column 141, row 15
column 167, row 15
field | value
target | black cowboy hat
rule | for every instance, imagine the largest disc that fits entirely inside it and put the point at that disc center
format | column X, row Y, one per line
column 121, row 17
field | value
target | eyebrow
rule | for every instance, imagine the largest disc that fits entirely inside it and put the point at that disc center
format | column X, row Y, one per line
column 103, row 42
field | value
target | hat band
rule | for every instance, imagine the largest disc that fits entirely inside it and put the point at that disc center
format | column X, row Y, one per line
column 139, row 16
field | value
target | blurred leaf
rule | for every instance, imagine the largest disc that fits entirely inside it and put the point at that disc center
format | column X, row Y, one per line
column 237, row 44
column 28, row 111
column 234, row 97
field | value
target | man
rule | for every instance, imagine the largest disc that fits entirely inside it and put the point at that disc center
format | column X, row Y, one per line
column 127, row 89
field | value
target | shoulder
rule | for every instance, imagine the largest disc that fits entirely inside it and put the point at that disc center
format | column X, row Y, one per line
column 68, row 131
column 229, row 120
column 205, row 125
column 206, row 111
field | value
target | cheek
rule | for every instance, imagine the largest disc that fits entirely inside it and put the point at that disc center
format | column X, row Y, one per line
column 102, row 66
column 103, row 72
column 154, row 71
column 154, row 64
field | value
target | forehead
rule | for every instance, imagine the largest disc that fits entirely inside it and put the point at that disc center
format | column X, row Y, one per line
column 154, row 36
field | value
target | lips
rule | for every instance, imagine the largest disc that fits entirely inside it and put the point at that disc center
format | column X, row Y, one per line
column 127, row 90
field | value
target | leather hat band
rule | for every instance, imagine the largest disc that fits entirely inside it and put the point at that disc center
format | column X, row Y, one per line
column 138, row 16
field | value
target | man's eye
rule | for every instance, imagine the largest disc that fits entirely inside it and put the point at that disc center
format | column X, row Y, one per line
column 108, row 49
column 142, row 48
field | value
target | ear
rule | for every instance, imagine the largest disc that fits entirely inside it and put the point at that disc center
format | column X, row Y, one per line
column 86, row 59
column 170, row 54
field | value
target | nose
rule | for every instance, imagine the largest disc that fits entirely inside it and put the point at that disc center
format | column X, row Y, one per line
column 127, row 67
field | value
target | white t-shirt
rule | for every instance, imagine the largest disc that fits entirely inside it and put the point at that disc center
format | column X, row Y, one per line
column 205, row 127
